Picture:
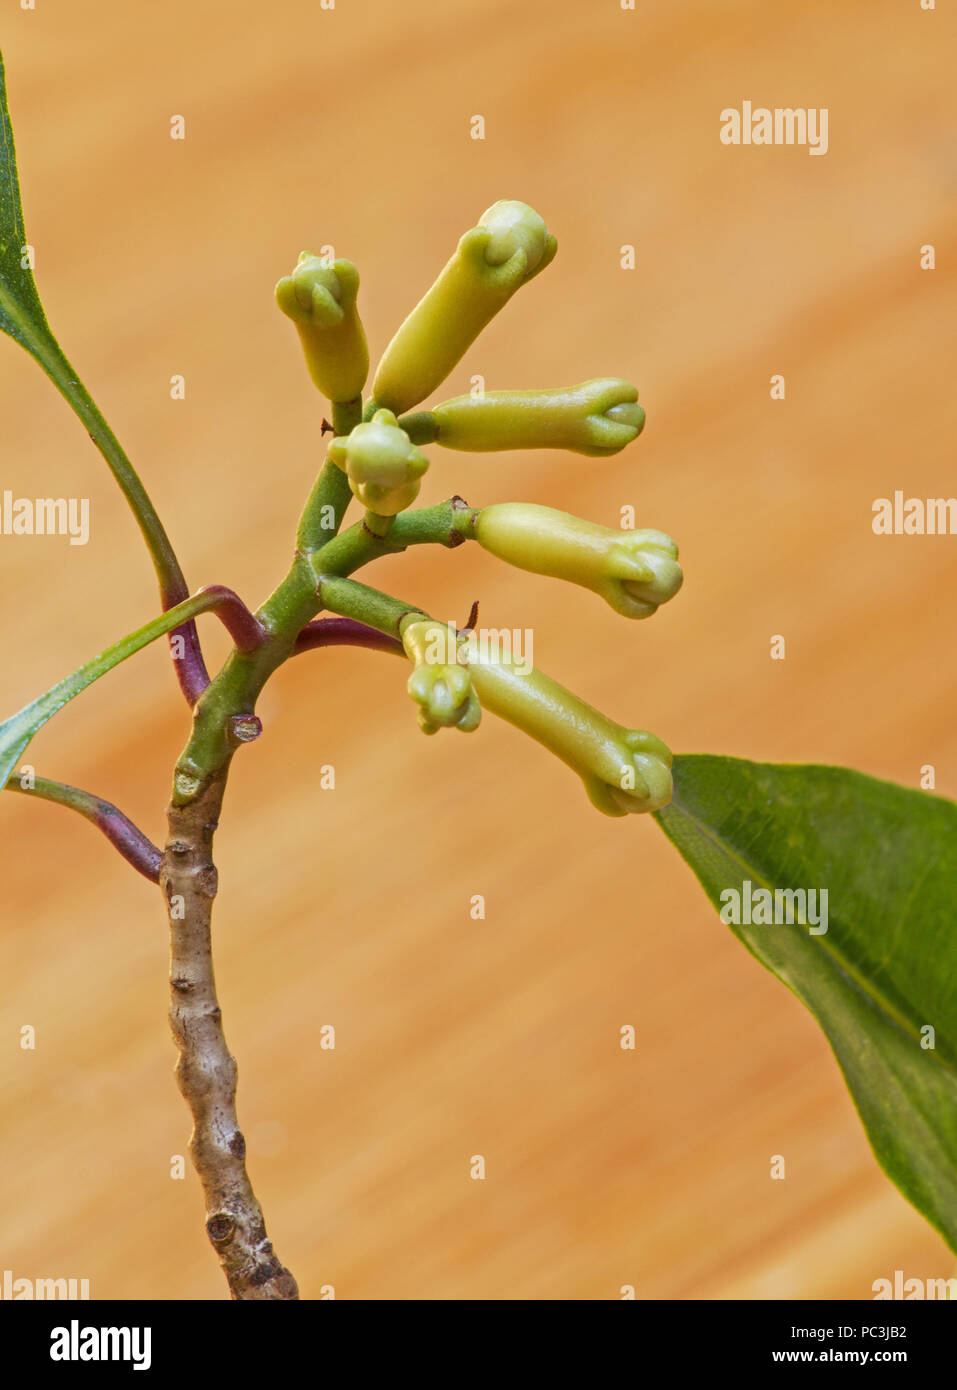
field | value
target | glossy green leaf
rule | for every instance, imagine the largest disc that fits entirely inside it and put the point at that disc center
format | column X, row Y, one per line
column 884, row 972
column 21, row 314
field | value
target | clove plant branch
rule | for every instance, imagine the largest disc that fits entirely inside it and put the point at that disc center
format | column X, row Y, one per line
column 376, row 460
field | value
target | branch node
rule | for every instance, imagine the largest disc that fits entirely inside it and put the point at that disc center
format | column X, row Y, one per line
column 207, row 883
column 220, row 1227
column 187, row 786
column 245, row 728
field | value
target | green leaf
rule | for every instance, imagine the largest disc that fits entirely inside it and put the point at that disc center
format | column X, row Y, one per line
column 17, row 731
column 21, row 314
column 886, row 966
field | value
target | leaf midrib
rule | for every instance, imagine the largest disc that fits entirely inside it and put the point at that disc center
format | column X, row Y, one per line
column 10, row 304
column 840, row 963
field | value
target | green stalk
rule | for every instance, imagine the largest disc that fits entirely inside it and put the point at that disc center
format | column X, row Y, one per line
column 447, row 523
column 331, row 491
column 44, row 348
column 352, row 600
column 134, row 846
column 50, row 356
column 17, row 731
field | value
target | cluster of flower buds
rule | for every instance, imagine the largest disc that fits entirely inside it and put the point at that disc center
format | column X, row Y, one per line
column 453, row 677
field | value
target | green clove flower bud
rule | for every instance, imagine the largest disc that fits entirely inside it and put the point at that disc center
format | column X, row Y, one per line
column 440, row 684
column 321, row 301
column 598, row 418
column 382, row 464
column 510, row 245
column 624, row 770
column 633, row 571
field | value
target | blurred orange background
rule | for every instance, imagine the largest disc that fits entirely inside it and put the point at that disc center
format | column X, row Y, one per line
column 350, row 127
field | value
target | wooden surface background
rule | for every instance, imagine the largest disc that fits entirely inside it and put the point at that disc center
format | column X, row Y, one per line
column 350, row 127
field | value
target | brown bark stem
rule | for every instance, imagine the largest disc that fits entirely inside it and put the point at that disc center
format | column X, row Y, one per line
column 206, row 1071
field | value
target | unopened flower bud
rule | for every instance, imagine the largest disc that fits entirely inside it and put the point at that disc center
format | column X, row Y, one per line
column 624, row 770
column 633, row 571
column 515, row 227
column 510, row 245
column 383, row 465
column 440, row 685
column 598, row 418
column 321, row 301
